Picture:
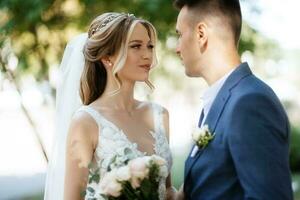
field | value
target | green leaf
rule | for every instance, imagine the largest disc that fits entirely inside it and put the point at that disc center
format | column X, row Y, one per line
column 91, row 190
column 83, row 193
column 96, row 178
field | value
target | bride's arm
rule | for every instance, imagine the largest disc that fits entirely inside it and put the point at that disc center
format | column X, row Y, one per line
column 170, row 193
column 79, row 153
column 180, row 194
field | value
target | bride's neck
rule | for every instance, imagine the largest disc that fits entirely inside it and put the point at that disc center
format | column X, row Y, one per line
column 122, row 99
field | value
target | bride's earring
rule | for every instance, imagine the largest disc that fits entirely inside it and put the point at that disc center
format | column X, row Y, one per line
column 108, row 62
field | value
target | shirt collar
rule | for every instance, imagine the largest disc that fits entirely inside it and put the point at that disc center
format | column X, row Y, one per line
column 210, row 93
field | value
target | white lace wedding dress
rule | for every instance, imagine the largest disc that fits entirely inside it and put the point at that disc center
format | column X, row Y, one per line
column 113, row 139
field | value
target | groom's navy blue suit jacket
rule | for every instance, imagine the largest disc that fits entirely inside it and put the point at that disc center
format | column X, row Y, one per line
column 248, row 157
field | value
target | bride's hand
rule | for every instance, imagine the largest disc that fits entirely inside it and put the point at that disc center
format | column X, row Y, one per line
column 179, row 194
column 171, row 193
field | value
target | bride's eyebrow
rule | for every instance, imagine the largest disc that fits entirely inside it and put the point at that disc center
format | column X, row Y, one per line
column 139, row 41
column 136, row 41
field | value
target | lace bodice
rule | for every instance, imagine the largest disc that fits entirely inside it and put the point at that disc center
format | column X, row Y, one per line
column 113, row 139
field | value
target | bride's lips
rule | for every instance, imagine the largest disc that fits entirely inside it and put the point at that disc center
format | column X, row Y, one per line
column 146, row 66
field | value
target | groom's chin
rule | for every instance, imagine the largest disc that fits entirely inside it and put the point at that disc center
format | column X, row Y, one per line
column 191, row 74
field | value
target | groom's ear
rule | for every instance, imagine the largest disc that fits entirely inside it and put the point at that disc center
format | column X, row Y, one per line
column 202, row 33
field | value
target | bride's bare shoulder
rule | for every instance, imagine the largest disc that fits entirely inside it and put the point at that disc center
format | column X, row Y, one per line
column 81, row 140
column 83, row 120
column 83, row 126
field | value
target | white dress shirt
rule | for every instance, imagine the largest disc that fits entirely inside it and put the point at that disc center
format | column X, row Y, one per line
column 210, row 94
column 208, row 98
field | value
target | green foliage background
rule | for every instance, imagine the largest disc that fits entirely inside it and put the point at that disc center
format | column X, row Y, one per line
column 39, row 30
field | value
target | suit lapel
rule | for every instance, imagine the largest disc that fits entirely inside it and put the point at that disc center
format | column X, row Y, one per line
column 190, row 161
column 211, row 119
column 217, row 108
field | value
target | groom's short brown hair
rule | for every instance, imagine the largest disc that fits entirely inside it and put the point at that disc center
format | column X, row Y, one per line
column 228, row 10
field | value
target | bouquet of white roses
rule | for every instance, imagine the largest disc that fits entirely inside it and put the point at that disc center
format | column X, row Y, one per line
column 132, row 178
column 139, row 179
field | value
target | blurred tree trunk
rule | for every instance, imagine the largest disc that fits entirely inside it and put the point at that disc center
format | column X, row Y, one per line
column 9, row 74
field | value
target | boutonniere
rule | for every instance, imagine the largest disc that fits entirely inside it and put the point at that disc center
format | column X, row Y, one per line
column 202, row 136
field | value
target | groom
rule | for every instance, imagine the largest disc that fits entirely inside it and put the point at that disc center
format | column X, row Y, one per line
column 248, row 156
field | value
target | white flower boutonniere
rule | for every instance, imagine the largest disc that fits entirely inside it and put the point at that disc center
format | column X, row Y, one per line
column 202, row 136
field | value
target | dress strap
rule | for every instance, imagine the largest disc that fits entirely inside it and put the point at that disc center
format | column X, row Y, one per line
column 158, row 118
column 93, row 113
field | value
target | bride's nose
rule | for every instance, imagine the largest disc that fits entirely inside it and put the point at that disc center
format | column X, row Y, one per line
column 146, row 54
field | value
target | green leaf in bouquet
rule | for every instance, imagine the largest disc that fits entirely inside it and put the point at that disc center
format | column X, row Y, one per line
column 83, row 193
column 129, row 154
column 146, row 188
column 90, row 166
column 90, row 189
column 128, row 192
column 154, row 172
column 94, row 173
column 95, row 178
column 112, row 161
column 105, row 197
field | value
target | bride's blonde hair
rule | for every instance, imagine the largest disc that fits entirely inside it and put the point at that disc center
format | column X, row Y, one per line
column 108, row 35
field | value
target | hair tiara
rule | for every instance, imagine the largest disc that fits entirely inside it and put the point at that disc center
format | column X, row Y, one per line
column 108, row 20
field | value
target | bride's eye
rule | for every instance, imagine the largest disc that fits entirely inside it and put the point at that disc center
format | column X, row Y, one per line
column 150, row 46
column 136, row 46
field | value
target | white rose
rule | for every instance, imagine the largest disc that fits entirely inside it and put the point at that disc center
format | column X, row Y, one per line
column 139, row 167
column 114, row 189
column 202, row 132
column 199, row 132
column 105, row 180
column 196, row 134
column 109, row 184
column 205, row 128
column 123, row 173
column 146, row 159
column 158, row 160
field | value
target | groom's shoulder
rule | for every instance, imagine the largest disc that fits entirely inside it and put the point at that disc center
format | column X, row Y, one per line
column 252, row 85
column 253, row 90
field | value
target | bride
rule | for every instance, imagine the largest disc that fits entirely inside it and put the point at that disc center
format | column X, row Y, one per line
column 102, row 68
